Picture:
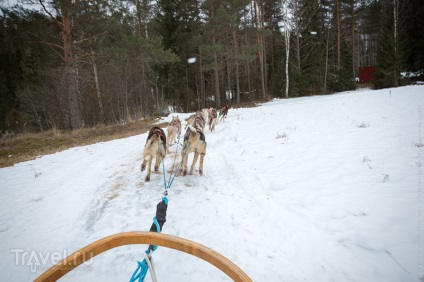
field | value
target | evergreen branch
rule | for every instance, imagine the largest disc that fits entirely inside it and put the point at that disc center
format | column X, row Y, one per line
column 51, row 16
column 51, row 45
column 89, row 38
column 79, row 59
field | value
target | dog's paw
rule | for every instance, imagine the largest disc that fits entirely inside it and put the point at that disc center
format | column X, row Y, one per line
column 147, row 179
column 143, row 167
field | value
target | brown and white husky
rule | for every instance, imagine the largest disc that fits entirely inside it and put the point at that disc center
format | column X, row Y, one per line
column 155, row 148
column 223, row 113
column 173, row 130
column 212, row 119
column 194, row 142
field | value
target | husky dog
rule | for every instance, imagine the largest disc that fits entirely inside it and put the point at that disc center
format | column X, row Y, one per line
column 173, row 130
column 194, row 141
column 223, row 113
column 203, row 113
column 189, row 120
column 155, row 148
column 212, row 119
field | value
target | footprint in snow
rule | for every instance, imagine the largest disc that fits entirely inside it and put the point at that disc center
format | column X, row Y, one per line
column 35, row 197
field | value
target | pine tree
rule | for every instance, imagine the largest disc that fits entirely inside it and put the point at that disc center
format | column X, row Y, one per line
column 309, row 60
column 415, row 22
column 393, row 51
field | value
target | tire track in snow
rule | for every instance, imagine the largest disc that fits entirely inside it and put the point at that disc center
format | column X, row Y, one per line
column 106, row 194
column 127, row 194
column 122, row 195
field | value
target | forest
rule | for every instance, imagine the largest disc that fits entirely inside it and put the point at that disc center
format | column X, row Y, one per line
column 70, row 64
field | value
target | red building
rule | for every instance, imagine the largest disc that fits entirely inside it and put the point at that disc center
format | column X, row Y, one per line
column 366, row 74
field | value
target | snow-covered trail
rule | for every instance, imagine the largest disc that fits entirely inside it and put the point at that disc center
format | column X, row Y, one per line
column 314, row 188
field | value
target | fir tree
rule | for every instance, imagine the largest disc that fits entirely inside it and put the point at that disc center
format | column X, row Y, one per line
column 392, row 53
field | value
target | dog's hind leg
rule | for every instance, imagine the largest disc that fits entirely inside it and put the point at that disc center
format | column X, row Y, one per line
column 143, row 165
column 183, row 168
column 157, row 162
column 185, row 150
column 196, row 156
column 168, row 142
column 202, row 157
column 146, row 158
column 149, row 166
column 202, row 152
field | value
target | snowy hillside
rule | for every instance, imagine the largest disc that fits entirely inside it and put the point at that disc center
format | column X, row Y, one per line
column 309, row 189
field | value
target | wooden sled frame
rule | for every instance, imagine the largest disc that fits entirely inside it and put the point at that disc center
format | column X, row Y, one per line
column 153, row 238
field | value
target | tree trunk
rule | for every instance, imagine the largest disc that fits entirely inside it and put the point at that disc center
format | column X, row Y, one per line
column 237, row 70
column 287, row 41
column 202, row 83
column 338, row 38
column 216, row 75
column 353, row 38
column 296, row 11
column 395, row 37
column 261, row 45
column 143, row 64
column 96, row 81
column 326, row 61
column 249, row 87
column 71, row 83
column 229, row 93
column 265, row 65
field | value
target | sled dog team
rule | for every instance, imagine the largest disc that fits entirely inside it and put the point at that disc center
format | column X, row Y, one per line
column 157, row 143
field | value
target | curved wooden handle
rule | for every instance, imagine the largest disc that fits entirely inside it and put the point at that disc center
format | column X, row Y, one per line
column 129, row 238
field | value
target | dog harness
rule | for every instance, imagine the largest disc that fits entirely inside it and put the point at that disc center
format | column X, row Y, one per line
column 158, row 132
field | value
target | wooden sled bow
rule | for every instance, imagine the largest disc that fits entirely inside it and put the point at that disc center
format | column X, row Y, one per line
column 129, row 238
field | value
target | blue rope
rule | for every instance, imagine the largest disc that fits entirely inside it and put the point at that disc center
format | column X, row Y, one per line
column 163, row 168
column 155, row 221
column 175, row 173
column 165, row 200
column 142, row 269
column 178, row 168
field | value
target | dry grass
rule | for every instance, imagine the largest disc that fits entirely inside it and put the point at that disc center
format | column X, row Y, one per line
column 28, row 146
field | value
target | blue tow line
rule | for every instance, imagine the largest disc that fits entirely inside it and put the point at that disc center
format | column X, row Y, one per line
column 142, row 268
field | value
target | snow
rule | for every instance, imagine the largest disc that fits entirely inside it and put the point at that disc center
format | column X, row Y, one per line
column 322, row 188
